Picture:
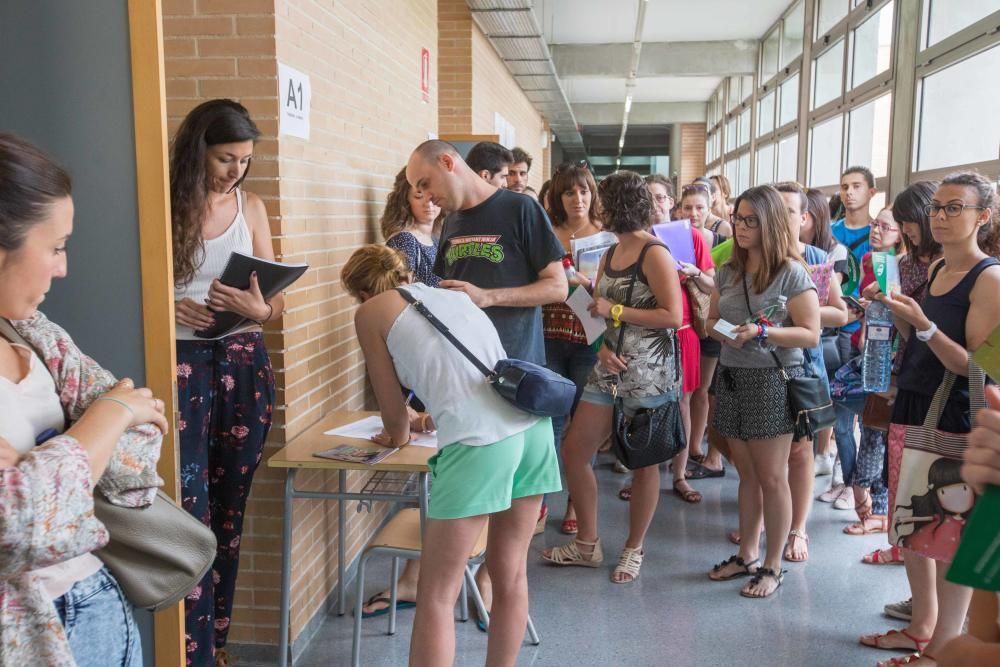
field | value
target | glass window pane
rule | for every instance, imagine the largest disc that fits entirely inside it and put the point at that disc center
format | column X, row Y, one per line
column 731, row 174
column 946, row 17
column 765, row 165
column 791, row 38
column 828, row 73
column 734, row 92
column 868, row 135
column 871, row 46
column 744, row 127
column 788, row 156
column 789, row 110
column 958, row 121
column 829, row 14
column 746, row 86
column 731, row 134
column 765, row 114
column 743, row 172
column 824, row 152
column 769, row 57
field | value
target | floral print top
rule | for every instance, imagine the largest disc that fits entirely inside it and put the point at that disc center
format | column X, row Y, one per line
column 47, row 505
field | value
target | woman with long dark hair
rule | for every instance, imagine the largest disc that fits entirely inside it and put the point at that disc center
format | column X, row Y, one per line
column 409, row 224
column 225, row 386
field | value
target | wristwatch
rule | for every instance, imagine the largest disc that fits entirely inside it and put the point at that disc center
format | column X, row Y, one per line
column 927, row 333
column 616, row 313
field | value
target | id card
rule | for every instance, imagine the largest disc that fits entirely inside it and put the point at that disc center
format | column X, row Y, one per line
column 726, row 329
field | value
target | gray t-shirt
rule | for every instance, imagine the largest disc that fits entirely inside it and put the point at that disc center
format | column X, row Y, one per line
column 790, row 282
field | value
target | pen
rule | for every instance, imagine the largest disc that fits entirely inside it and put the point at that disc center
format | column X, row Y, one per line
column 409, row 398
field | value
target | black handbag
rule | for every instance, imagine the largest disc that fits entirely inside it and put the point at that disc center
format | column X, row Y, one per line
column 530, row 387
column 808, row 396
column 652, row 435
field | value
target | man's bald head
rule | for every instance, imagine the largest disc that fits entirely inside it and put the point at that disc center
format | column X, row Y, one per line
column 431, row 149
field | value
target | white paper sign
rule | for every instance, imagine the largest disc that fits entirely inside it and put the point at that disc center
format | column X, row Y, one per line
column 294, row 100
column 369, row 427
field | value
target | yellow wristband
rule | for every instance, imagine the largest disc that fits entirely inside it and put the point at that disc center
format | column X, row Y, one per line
column 616, row 313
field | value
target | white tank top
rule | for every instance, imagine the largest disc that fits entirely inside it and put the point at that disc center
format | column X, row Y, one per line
column 28, row 409
column 216, row 253
column 465, row 408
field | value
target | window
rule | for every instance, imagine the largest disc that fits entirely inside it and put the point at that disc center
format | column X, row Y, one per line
column 765, row 114
column 828, row 71
column 734, row 92
column 957, row 119
column 731, row 174
column 824, row 152
column 946, row 17
column 829, row 14
column 731, row 134
column 788, row 158
column 791, row 35
column 769, row 57
column 871, row 45
column 743, row 172
column 744, row 127
column 868, row 135
column 789, row 109
column 765, row 165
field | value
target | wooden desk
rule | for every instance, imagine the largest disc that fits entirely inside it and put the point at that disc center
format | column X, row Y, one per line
column 299, row 455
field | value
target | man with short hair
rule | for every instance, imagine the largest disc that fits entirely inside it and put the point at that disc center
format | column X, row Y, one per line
column 491, row 161
column 517, row 177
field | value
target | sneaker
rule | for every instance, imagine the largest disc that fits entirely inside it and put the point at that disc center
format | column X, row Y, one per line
column 900, row 610
column 838, row 473
column 824, row 465
column 831, row 493
column 845, row 501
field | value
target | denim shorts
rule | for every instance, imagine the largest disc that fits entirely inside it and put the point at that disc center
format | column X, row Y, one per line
column 631, row 404
column 99, row 624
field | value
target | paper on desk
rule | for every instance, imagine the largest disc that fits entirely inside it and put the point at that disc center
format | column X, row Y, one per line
column 369, row 427
column 725, row 328
column 593, row 325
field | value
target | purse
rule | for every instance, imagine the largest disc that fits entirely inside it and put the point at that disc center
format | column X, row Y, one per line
column 808, row 396
column 877, row 413
column 530, row 387
column 652, row 435
column 699, row 302
column 159, row 553
column 922, row 461
column 831, row 351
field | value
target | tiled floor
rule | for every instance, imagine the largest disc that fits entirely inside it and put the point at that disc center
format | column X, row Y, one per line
column 673, row 615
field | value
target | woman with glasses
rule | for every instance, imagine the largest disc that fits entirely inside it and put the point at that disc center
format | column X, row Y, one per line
column 958, row 313
column 752, row 409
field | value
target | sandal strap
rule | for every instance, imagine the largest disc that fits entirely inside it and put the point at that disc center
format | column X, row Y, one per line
column 738, row 560
column 565, row 554
column 799, row 534
column 766, row 572
column 629, row 562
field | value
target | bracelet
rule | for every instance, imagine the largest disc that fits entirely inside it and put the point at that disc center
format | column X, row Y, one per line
column 423, row 423
column 269, row 314
column 121, row 403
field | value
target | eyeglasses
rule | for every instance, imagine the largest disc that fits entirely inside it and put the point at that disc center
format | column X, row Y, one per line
column 950, row 210
column 884, row 228
column 750, row 222
column 661, row 198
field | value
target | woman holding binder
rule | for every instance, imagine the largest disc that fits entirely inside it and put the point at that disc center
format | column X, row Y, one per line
column 225, row 386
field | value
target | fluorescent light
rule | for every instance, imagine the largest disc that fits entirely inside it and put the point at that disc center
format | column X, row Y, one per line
column 628, row 103
column 621, row 143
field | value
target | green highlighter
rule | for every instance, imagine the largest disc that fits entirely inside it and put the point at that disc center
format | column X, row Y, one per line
column 977, row 562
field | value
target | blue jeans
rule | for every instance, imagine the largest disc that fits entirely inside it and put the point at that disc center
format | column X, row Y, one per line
column 99, row 624
column 846, row 410
column 573, row 361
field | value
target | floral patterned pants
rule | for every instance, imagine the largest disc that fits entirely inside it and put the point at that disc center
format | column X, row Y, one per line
column 225, row 391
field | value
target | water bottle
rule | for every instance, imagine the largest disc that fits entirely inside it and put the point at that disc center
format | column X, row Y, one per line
column 775, row 315
column 570, row 272
column 876, row 364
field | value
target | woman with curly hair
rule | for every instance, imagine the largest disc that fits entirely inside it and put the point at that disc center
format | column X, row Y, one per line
column 225, row 386
column 409, row 224
column 647, row 372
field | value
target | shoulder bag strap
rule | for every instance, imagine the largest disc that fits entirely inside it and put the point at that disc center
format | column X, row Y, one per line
column 857, row 243
column 439, row 325
column 8, row 331
column 628, row 296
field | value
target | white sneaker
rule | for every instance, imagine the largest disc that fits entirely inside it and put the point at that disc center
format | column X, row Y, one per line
column 838, row 473
column 831, row 493
column 620, row 468
column 845, row 501
column 824, row 465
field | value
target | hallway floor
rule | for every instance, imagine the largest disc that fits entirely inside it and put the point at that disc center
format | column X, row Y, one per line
column 673, row 615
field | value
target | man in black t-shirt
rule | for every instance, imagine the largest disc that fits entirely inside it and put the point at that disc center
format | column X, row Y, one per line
column 496, row 246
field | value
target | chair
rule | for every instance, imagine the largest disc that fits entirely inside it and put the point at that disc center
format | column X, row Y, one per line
column 401, row 538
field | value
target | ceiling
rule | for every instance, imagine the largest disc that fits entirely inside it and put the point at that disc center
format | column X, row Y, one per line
column 682, row 50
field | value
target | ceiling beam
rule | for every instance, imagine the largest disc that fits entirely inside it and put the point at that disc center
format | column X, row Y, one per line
column 720, row 58
column 643, row 113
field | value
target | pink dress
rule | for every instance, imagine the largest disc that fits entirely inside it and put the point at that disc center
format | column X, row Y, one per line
column 935, row 540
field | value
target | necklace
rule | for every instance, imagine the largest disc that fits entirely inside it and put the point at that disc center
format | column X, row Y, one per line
column 572, row 235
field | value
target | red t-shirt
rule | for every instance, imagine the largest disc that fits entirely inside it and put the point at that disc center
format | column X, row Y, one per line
column 703, row 258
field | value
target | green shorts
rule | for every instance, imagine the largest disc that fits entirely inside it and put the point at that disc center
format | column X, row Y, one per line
column 469, row 481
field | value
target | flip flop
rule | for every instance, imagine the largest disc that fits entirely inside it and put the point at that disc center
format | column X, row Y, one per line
column 698, row 471
column 400, row 605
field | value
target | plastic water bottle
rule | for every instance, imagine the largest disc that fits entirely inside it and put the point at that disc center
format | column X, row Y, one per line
column 570, row 272
column 876, row 364
column 776, row 315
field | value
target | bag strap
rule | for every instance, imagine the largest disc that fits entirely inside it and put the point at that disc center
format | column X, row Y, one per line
column 439, row 325
column 857, row 243
column 977, row 394
column 8, row 331
column 628, row 292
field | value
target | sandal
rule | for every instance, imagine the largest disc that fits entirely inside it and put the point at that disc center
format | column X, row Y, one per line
column 905, row 660
column 625, row 493
column 700, row 471
column 697, row 458
column 875, row 641
column 895, row 557
column 568, row 527
column 381, row 597
column 744, row 570
column 789, row 554
column 570, row 554
column 628, row 566
column 543, row 514
column 758, row 577
column 689, row 496
column 223, row 658
column 881, row 525
column 863, row 508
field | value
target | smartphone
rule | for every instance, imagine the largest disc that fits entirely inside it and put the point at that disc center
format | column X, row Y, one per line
column 852, row 302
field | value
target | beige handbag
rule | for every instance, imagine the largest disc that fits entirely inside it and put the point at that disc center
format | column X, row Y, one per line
column 157, row 553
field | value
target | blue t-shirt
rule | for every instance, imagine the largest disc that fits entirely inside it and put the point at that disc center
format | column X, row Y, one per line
column 857, row 243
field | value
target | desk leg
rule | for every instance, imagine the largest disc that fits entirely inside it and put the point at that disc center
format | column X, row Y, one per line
column 424, row 499
column 341, row 544
column 286, row 570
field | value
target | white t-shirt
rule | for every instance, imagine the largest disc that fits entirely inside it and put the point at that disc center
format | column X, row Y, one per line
column 28, row 409
column 465, row 408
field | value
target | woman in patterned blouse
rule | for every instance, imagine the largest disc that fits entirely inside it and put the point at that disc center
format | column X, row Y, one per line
column 410, row 224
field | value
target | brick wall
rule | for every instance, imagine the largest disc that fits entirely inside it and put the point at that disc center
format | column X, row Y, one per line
column 692, row 162
column 455, row 67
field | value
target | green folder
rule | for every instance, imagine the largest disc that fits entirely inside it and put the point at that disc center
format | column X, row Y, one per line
column 977, row 562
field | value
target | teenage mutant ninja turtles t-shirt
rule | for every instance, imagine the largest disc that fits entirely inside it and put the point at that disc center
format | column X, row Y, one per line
column 505, row 241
